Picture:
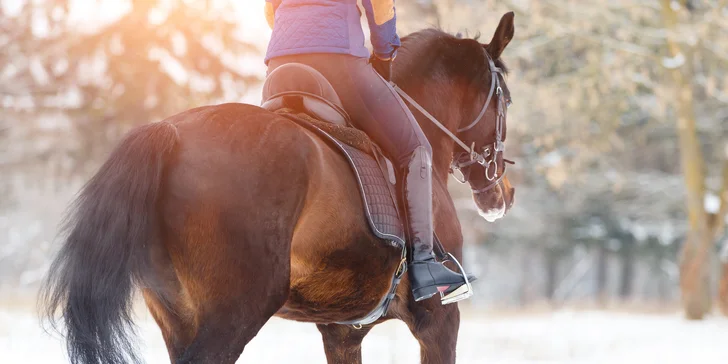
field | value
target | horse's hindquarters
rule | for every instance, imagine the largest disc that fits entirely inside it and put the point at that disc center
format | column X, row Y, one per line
column 231, row 200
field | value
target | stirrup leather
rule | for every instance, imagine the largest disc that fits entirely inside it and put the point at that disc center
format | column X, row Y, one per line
column 463, row 292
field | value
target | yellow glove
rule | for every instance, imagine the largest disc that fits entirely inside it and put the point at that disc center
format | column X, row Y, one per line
column 269, row 14
column 383, row 11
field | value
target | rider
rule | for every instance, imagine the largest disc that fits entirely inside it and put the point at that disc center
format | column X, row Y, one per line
column 327, row 35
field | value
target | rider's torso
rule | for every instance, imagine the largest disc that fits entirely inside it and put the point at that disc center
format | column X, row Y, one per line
column 317, row 26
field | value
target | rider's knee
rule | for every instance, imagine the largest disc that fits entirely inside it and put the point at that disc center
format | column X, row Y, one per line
column 425, row 146
column 421, row 148
column 428, row 148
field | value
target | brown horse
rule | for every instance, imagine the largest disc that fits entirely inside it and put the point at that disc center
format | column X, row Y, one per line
column 227, row 215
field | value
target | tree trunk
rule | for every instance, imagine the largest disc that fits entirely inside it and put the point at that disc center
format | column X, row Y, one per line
column 602, row 254
column 627, row 275
column 552, row 265
column 663, row 286
column 695, row 277
column 694, row 264
column 719, row 228
column 723, row 284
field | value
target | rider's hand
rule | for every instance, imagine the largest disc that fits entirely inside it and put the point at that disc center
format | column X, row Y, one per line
column 382, row 66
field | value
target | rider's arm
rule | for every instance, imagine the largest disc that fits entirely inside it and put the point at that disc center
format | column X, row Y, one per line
column 270, row 10
column 382, row 21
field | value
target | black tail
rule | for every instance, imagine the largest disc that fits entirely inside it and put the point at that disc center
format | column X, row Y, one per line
column 108, row 230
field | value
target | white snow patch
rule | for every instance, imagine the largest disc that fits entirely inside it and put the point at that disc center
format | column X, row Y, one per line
column 673, row 62
column 667, row 234
column 38, row 71
column 640, row 232
column 558, row 337
column 39, row 24
column 711, row 202
column 552, row 158
column 11, row 7
column 179, row 44
column 170, row 65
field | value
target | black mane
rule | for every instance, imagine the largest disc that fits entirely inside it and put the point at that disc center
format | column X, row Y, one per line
column 433, row 50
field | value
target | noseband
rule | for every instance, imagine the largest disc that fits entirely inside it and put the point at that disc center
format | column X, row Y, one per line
column 488, row 157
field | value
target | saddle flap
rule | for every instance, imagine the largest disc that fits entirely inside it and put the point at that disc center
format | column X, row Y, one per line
column 375, row 178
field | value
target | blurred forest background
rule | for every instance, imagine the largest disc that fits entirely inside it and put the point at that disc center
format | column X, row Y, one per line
column 619, row 128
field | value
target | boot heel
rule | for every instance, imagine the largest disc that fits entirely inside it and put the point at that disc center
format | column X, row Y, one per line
column 424, row 292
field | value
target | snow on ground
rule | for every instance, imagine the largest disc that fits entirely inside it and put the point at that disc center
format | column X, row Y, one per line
column 555, row 337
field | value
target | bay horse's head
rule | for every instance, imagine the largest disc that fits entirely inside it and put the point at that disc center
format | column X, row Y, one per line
column 462, row 83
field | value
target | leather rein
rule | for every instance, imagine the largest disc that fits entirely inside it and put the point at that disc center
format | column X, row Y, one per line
column 488, row 157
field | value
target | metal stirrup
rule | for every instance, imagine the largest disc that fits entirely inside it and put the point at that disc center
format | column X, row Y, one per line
column 461, row 293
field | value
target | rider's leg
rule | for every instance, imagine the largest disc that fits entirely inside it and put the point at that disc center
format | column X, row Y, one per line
column 378, row 110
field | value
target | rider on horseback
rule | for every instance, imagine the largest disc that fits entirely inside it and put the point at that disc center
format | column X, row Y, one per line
column 327, row 35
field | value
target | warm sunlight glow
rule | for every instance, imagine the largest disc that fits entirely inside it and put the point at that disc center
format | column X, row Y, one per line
column 252, row 20
column 88, row 15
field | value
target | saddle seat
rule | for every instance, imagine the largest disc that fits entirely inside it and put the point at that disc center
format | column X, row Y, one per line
column 301, row 87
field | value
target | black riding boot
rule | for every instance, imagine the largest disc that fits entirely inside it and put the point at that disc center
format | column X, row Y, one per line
column 427, row 276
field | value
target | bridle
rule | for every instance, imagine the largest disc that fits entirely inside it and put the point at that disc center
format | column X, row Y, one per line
column 488, row 157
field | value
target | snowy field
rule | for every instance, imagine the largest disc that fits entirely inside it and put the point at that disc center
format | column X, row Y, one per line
column 555, row 337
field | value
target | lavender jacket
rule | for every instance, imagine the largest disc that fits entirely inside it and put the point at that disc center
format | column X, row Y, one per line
column 331, row 26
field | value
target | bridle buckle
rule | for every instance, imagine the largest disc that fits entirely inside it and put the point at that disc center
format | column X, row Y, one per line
column 500, row 146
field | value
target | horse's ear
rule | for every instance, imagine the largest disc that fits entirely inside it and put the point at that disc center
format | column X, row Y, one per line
column 503, row 35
